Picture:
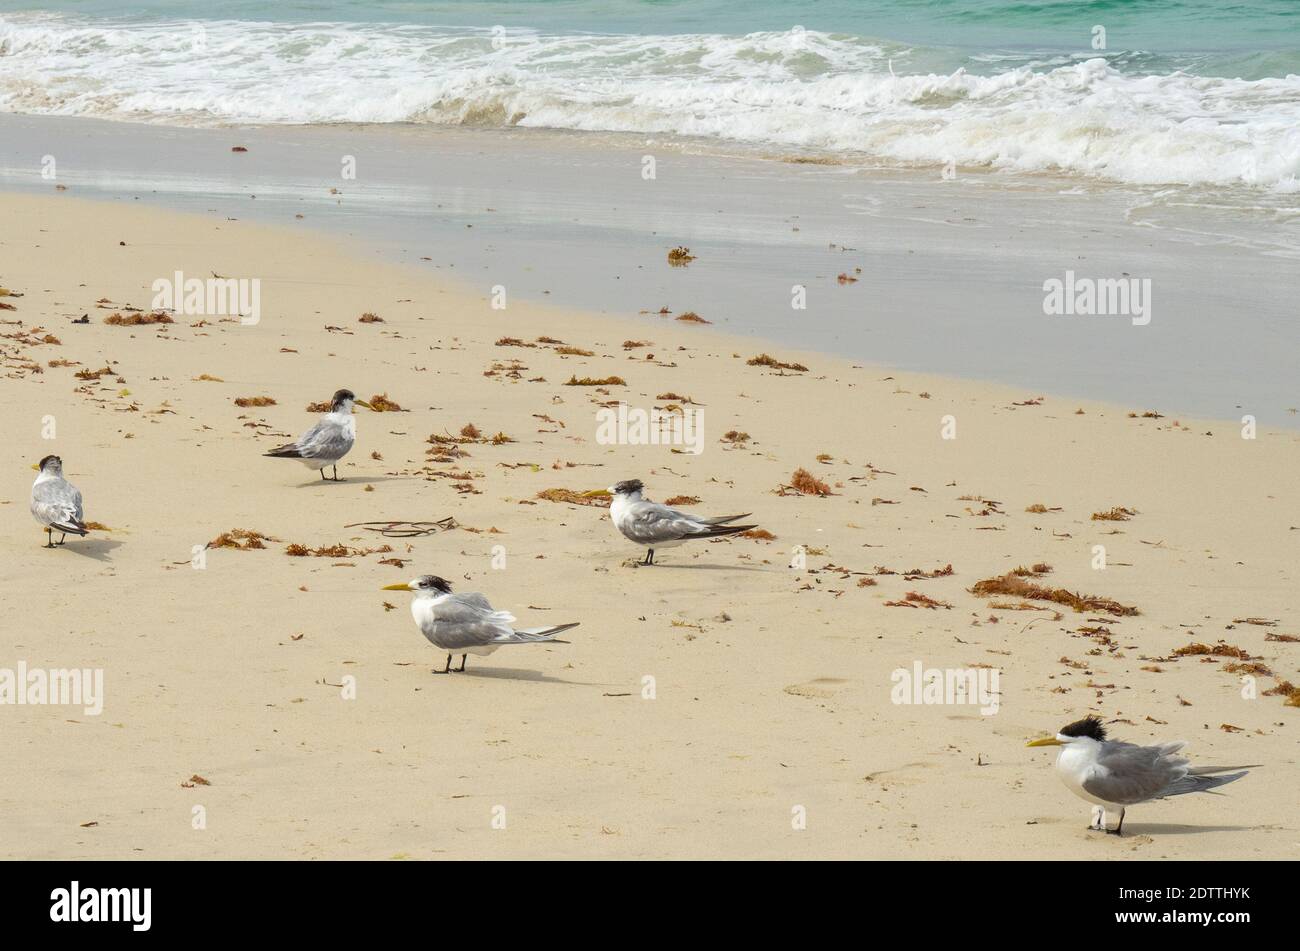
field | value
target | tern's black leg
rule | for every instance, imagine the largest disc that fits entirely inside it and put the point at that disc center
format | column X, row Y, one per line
column 49, row 541
column 322, row 474
column 445, row 670
column 63, row 536
column 336, row 474
column 463, row 658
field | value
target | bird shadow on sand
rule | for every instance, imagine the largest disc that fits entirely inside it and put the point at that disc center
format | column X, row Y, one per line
column 705, row 567
column 517, row 673
column 1175, row 828
column 349, row 480
column 94, row 548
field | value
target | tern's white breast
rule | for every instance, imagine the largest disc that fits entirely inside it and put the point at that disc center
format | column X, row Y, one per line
column 1075, row 764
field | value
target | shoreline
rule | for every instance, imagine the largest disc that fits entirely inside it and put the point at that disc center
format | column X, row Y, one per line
column 773, row 683
column 551, row 218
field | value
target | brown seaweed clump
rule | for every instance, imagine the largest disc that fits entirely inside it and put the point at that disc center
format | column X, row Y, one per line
column 380, row 403
column 246, row 401
column 592, row 381
column 1212, row 650
column 135, row 320
column 94, row 374
column 805, row 483
column 369, row 318
column 691, row 317
column 1117, row 514
column 469, row 433
column 242, row 539
column 680, row 256
column 598, row 497
column 914, row 599
column 1015, row 586
column 765, row 360
column 334, row 551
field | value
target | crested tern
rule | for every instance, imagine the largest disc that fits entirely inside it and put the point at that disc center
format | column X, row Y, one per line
column 653, row 526
column 1113, row 775
column 56, row 502
column 329, row 440
column 466, row 623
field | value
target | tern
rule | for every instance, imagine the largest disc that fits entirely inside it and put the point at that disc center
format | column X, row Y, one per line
column 654, row 526
column 466, row 623
column 56, row 502
column 1113, row 775
column 328, row 441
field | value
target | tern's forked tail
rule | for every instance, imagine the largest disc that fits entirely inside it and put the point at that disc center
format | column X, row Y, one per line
column 530, row 634
column 1206, row 779
column 289, row 451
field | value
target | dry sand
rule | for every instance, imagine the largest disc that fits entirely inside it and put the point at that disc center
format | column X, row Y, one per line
column 772, row 684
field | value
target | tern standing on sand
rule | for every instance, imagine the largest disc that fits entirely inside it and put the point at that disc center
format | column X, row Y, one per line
column 1113, row 775
column 328, row 441
column 651, row 525
column 465, row 623
column 56, row 502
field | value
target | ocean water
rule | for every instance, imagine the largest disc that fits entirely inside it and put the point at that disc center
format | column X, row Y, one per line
column 1180, row 92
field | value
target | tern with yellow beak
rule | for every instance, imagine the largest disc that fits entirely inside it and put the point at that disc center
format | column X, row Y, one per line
column 328, row 441
column 1113, row 775
column 466, row 623
column 652, row 526
column 56, row 502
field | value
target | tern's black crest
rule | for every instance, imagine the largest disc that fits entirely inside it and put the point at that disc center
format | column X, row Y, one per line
column 341, row 397
column 1088, row 726
column 435, row 583
column 628, row 486
column 50, row 459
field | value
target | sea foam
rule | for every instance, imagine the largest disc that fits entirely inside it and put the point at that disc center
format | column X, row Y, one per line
column 791, row 91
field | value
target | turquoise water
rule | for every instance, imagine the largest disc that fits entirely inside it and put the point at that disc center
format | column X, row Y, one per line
column 1149, row 92
column 1225, row 30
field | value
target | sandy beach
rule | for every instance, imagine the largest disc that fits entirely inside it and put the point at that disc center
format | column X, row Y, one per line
column 293, row 700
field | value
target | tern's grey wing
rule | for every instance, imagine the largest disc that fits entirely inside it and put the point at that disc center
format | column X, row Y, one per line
column 1126, row 773
column 467, row 620
column 326, row 440
column 650, row 522
column 75, row 495
column 56, row 500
